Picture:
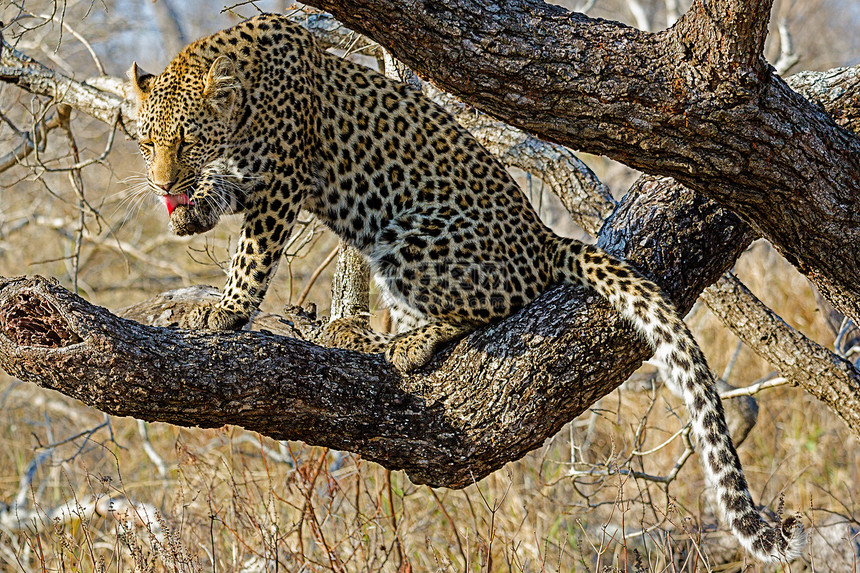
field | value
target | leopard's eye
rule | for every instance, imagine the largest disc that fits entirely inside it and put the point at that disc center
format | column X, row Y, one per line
column 185, row 145
column 146, row 146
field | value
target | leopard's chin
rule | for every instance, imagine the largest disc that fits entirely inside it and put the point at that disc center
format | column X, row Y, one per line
column 187, row 220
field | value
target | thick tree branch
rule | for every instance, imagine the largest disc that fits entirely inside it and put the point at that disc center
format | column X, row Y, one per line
column 743, row 139
column 816, row 369
column 28, row 74
column 495, row 396
column 836, row 90
column 727, row 34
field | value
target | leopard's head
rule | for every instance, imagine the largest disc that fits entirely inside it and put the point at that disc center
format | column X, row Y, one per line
column 186, row 120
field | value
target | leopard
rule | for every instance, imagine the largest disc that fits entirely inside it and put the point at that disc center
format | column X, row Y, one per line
column 259, row 120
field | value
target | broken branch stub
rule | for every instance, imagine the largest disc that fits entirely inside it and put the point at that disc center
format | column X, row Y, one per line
column 29, row 320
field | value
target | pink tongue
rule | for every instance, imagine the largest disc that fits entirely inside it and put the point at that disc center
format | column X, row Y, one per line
column 173, row 200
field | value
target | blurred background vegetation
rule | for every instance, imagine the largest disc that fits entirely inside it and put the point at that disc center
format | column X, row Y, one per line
column 80, row 491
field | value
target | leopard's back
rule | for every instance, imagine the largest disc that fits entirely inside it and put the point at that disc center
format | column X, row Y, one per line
column 438, row 217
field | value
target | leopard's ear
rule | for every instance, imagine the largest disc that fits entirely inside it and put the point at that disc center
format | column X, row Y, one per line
column 222, row 85
column 138, row 86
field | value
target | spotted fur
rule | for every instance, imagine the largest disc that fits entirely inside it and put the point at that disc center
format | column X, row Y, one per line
column 257, row 119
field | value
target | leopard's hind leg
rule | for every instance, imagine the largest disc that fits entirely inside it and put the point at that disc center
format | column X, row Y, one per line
column 415, row 348
column 353, row 333
column 405, row 351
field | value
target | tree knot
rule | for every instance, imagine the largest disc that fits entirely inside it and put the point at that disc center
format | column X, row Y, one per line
column 29, row 320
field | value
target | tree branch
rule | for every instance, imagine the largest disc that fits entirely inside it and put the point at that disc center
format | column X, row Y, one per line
column 836, row 90
column 28, row 74
column 816, row 369
column 727, row 34
column 29, row 142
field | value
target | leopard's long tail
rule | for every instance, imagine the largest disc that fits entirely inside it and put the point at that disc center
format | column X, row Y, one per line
column 641, row 302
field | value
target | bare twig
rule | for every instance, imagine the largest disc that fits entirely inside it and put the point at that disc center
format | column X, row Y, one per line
column 787, row 56
column 77, row 36
column 754, row 389
column 315, row 275
column 30, row 141
column 613, row 469
column 158, row 462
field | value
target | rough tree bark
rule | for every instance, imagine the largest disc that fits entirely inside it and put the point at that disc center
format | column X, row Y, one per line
column 697, row 102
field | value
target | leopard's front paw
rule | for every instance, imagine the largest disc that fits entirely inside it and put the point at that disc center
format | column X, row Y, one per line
column 406, row 353
column 212, row 317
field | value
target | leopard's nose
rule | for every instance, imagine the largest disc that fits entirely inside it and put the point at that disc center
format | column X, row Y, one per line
column 165, row 186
